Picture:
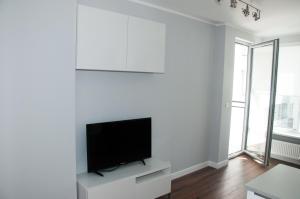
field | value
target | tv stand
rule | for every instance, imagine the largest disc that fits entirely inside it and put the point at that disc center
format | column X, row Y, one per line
column 99, row 173
column 143, row 161
column 132, row 181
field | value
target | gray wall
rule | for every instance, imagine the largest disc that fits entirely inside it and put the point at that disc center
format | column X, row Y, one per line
column 222, row 90
column 37, row 139
column 178, row 101
column 216, row 93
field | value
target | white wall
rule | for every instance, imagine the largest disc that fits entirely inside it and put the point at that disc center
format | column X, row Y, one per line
column 37, row 55
column 216, row 93
column 37, row 137
column 191, row 122
column 286, row 39
column 178, row 101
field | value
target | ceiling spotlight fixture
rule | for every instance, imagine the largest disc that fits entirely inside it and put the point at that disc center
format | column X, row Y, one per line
column 233, row 3
column 256, row 15
column 246, row 11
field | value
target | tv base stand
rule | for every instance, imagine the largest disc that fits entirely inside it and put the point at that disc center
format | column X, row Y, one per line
column 99, row 173
column 133, row 181
column 144, row 163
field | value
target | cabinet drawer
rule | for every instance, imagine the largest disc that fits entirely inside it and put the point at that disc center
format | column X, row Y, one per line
column 123, row 189
column 153, row 188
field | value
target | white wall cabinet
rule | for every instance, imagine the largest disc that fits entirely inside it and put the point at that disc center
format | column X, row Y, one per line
column 101, row 39
column 146, row 45
column 116, row 42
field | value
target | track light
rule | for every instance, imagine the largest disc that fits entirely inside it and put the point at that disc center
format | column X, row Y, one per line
column 246, row 10
column 256, row 15
column 233, row 3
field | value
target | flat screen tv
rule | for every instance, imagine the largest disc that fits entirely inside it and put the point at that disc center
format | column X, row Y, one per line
column 111, row 144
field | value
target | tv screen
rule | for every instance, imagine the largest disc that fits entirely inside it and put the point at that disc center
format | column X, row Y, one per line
column 110, row 144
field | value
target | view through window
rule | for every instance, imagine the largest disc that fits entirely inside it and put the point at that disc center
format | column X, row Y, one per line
column 287, row 109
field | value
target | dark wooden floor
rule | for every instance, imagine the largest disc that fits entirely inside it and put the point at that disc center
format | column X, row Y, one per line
column 225, row 183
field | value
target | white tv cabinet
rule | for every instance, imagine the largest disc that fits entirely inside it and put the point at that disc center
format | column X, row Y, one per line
column 131, row 181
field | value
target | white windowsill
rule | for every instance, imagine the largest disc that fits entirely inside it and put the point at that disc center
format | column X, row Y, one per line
column 286, row 133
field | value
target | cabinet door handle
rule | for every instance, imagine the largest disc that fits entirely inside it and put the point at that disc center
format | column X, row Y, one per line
column 261, row 196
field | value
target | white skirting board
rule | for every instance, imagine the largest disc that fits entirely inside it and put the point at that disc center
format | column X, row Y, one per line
column 189, row 170
column 216, row 165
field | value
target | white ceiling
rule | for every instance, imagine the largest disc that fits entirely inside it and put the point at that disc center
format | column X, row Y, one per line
column 279, row 17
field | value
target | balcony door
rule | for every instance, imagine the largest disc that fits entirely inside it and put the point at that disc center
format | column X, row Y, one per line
column 238, row 104
column 261, row 99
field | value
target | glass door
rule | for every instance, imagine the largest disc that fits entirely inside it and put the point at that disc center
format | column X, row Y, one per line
column 261, row 99
column 238, row 104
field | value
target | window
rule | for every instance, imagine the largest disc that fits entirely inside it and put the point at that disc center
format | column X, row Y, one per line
column 287, row 112
column 287, row 108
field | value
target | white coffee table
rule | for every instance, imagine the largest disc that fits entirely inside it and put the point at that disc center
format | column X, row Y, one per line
column 280, row 182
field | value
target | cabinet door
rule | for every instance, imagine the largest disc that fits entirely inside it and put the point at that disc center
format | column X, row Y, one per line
column 101, row 39
column 146, row 46
column 252, row 195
